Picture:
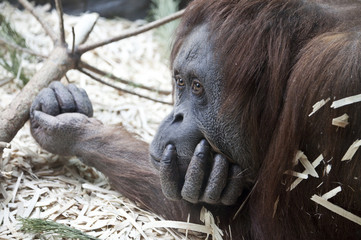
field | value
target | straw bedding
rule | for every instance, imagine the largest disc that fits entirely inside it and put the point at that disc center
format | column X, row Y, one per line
column 37, row 184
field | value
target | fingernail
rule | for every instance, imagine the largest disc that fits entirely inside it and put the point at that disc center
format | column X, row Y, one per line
column 169, row 154
column 204, row 142
column 170, row 147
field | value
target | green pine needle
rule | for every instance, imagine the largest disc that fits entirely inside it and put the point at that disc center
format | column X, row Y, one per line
column 164, row 34
column 10, row 59
column 45, row 227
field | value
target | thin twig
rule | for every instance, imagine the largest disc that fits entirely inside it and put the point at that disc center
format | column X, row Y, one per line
column 132, row 32
column 84, row 27
column 67, row 79
column 115, row 78
column 16, row 47
column 245, row 201
column 73, row 42
column 59, row 9
column 121, row 89
column 5, row 81
column 45, row 26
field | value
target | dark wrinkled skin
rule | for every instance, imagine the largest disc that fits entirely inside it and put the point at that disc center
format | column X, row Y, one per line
column 217, row 174
column 60, row 118
column 201, row 156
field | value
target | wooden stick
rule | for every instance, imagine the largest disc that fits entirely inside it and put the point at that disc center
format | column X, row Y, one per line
column 73, row 42
column 21, row 49
column 132, row 32
column 121, row 89
column 45, row 26
column 111, row 76
column 5, row 81
column 17, row 113
column 59, row 9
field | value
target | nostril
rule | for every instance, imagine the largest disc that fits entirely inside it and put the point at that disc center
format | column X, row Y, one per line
column 178, row 118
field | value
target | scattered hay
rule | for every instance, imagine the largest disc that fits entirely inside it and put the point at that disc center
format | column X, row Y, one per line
column 37, row 184
column 314, row 164
column 317, row 106
column 323, row 201
column 341, row 121
column 351, row 150
column 310, row 169
column 346, row 101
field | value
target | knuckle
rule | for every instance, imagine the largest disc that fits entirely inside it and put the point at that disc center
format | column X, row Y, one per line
column 189, row 195
column 210, row 198
column 228, row 202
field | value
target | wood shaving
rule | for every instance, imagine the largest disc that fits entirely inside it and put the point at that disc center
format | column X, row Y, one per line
column 336, row 209
column 331, row 193
column 42, row 185
column 341, row 121
column 207, row 218
column 296, row 174
column 328, row 169
column 315, row 163
column 16, row 187
column 318, row 105
column 4, row 145
column 302, row 158
column 275, row 206
column 351, row 150
column 346, row 101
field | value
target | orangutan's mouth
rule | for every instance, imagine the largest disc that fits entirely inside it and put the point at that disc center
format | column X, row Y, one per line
column 182, row 163
column 155, row 161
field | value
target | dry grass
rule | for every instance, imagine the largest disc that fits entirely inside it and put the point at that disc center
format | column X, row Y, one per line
column 37, row 184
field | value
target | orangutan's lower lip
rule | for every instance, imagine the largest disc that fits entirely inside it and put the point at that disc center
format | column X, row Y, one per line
column 155, row 161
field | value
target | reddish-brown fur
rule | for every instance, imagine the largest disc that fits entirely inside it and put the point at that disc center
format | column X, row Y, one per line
column 281, row 57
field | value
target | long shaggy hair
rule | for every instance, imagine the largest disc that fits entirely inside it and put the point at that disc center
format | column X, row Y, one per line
column 278, row 59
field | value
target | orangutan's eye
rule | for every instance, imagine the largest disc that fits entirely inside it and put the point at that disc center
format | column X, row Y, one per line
column 197, row 87
column 179, row 81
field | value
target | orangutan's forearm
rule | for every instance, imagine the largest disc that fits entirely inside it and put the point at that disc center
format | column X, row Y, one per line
column 125, row 160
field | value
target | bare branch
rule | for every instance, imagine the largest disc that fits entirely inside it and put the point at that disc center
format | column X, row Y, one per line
column 84, row 27
column 59, row 9
column 5, row 81
column 16, row 47
column 13, row 117
column 73, row 42
column 132, row 32
column 115, row 78
column 121, row 89
column 45, row 26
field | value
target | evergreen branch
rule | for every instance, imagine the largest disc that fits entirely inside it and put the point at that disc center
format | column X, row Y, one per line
column 21, row 49
column 40, row 226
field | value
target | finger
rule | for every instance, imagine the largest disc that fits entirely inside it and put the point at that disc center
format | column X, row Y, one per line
column 64, row 97
column 46, row 102
column 169, row 176
column 82, row 101
column 217, row 180
column 45, row 121
column 195, row 173
column 234, row 186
